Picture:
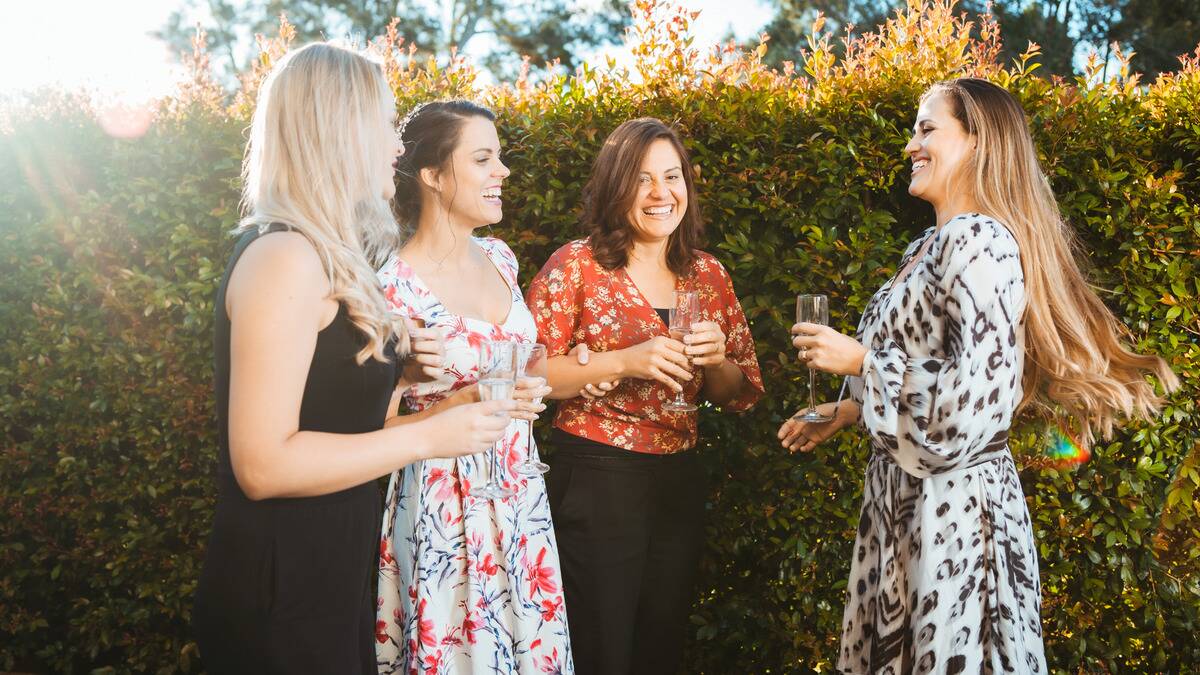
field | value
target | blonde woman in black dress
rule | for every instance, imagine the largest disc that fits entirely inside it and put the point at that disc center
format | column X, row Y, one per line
column 306, row 356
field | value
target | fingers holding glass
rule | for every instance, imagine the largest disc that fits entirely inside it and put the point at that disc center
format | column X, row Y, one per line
column 529, row 394
column 532, row 366
column 683, row 314
column 498, row 369
column 427, row 353
column 810, row 309
column 706, row 344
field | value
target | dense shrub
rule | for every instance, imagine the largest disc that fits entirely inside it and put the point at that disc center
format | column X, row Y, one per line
column 111, row 251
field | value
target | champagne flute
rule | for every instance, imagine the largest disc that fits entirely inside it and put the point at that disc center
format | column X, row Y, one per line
column 812, row 308
column 682, row 315
column 497, row 378
column 531, row 362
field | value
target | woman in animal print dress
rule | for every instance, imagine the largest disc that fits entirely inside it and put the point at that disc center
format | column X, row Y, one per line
column 988, row 312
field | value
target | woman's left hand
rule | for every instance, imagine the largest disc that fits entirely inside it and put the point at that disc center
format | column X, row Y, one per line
column 823, row 348
column 427, row 353
column 528, row 394
column 705, row 344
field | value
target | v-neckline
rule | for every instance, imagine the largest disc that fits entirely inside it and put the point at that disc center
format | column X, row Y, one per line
column 909, row 265
column 646, row 301
column 487, row 254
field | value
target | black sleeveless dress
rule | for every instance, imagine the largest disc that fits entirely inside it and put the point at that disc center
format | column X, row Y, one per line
column 286, row 584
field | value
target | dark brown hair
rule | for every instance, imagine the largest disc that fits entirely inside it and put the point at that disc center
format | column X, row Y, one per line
column 612, row 189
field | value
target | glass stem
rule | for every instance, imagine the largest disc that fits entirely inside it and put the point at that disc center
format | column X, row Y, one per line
column 812, row 401
column 495, row 455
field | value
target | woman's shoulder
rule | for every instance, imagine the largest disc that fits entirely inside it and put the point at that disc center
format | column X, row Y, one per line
column 395, row 271
column 706, row 265
column 497, row 250
column 968, row 230
column 577, row 249
column 572, row 253
column 278, row 268
column 968, row 237
column 493, row 245
column 284, row 257
column 402, row 289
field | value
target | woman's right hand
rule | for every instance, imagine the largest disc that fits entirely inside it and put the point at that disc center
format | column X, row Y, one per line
column 659, row 358
column 804, row 436
column 470, row 428
column 591, row 390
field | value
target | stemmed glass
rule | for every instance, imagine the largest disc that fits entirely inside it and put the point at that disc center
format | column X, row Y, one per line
column 531, row 362
column 812, row 309
column 497, row 379
column 682, row 315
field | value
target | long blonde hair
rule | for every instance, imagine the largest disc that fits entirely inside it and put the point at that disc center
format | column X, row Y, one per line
column 318, row 137
column 1076, row 355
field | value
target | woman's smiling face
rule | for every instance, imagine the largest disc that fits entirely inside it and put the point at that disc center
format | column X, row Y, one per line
column 940, row 149
column 476, row 174
column 661, row 193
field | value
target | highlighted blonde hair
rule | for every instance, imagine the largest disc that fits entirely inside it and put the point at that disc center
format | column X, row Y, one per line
column 319, row 138
column 1077, row 358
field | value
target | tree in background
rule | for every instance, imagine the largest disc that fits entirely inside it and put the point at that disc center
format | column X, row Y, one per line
column 544, row 30
column 1158, row 31
column 793, row 21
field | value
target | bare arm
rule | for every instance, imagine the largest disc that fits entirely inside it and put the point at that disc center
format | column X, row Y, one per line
column 722, row 382
column 567, row 376
column 723, row 379
column 659, row 358
column 277, row 303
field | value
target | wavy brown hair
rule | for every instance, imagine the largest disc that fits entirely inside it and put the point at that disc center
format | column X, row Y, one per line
column 1078, row 358
column 612, row 189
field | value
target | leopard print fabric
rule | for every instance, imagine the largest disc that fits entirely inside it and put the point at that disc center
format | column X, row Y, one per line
column 944, row 577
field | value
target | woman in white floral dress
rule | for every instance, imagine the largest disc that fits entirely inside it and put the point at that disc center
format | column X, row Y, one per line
column 466, row 584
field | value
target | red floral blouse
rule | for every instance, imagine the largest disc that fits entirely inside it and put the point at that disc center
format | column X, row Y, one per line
column 574, row 300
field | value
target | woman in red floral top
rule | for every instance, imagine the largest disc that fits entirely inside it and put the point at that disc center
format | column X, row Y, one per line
column 627, row 496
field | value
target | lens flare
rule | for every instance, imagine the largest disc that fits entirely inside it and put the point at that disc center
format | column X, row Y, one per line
column 1063, row 451
column 125, row 120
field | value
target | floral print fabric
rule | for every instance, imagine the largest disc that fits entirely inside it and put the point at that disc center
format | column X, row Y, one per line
column 467, row 585
column 576, row 301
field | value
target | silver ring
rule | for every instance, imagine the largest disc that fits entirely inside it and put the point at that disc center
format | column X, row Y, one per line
column 804, row 353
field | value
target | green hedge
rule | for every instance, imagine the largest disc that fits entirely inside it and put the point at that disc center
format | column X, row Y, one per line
column 111, row 251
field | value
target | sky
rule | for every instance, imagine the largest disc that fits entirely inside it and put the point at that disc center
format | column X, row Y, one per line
column 106, row 46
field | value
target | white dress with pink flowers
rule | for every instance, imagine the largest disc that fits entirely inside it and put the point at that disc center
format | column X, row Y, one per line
column 467, row 585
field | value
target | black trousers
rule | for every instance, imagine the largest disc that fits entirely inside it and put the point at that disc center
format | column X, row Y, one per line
column 630, row 528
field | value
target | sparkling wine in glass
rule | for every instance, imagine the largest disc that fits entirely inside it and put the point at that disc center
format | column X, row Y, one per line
column 497, row 379
column 682, row 315
column 532, row 363
column 812, row 308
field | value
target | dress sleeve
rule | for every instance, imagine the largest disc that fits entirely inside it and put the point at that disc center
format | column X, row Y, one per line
column 739, row 342
column 934, row 415
column 395, row 278
column 504, row 259
column 554, row 300
column 854, row 382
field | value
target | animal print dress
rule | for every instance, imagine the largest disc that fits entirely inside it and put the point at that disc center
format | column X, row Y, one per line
column 944, row 577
